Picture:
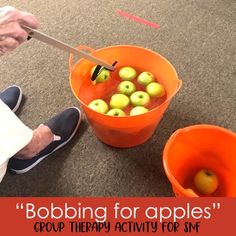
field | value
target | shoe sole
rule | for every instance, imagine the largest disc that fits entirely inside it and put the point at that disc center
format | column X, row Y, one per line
column 19, row 98
column 58, row 147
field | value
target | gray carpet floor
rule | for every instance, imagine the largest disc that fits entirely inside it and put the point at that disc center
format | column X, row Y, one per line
column 198, row 37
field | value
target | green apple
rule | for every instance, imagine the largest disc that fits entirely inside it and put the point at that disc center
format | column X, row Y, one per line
column 102, row 76
column 138, row 110
column 145, row 78
column 206, row 181
column 126, row 87
column 116, row 112
column 127, row 73
column 99, row 105
column 155, row 90
column 139, row 98
column 119, row 100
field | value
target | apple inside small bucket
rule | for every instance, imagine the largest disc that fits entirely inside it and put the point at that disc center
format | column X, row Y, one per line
column 201, row 158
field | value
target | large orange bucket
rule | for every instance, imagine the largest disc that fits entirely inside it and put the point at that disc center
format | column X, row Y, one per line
column 126, row 131
column 201, row 147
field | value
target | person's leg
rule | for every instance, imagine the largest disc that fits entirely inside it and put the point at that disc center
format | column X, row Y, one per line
column 43, row 141
column 14, row 135
column 42, row 137
column 47, row 138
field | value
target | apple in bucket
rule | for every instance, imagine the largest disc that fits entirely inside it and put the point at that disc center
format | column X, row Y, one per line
column 126, row 87
column 155, row 90
column 119, row 100
column 145, row 78
column 127, row 73
column 103, row 75
column 206, row 181
column 140, row 98
column 116, row 112
column 138, row 110
column 99, row 105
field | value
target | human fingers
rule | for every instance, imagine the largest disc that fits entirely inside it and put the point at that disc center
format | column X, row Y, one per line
column 14, row 30
column 8, row 44
column 8, row 14
column 28, row 19
column 11, row 14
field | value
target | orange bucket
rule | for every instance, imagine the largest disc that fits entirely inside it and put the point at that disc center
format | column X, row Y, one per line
column 126, row 131
column 201, row 147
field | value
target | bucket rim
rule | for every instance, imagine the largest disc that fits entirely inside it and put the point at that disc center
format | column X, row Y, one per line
column 170, row 141
column 179, row 81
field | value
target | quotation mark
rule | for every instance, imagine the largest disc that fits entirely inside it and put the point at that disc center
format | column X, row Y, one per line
column 216, row 205
column 19, row 206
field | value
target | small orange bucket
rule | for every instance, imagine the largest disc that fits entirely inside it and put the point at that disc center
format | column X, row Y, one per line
column 201, row 147
column 126, row 131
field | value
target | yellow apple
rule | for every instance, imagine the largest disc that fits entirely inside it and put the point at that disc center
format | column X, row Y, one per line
column 119, row 100
column 103, row 75
column 116, row 112
column 206, row 181
column 138, row 110
column 145, row 78
column 155, row 90
column 127, row 73
column 99, row 105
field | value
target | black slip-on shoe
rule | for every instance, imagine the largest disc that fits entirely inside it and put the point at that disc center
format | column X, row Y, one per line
column 64, row 126
column 12, row 97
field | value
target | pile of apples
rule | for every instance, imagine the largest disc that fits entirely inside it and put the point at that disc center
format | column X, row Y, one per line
column 127, row 93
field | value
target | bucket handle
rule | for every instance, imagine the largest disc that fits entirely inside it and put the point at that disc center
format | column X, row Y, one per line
column 180, row 82
column 179, row 85
column 71, row 57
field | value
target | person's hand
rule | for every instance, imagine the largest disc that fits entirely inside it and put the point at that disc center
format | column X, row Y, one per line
column 11, row 32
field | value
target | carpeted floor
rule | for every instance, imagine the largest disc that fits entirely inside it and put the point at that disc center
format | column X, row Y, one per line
column 198, row 37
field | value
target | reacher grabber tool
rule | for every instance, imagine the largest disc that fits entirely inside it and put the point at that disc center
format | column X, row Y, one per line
column 63, row 46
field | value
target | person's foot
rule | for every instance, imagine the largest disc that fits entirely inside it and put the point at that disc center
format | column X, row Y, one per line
column 12, row 97
column 63, row 126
